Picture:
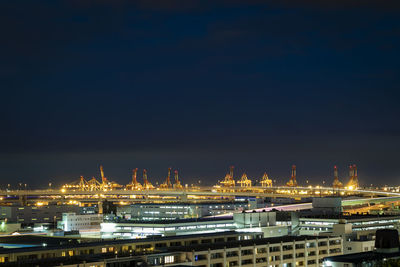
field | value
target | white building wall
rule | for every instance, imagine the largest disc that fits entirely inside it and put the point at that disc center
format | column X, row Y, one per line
column 350, row 247
column 78, row 222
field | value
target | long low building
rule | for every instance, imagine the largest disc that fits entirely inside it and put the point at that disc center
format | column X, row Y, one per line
column 28, row 248
column 215, row 250
column 287, row 251
column 140, row 229
column 172, row 211
column 256, row 221
column 386, row 253
column 365, row 224
column 36, row 214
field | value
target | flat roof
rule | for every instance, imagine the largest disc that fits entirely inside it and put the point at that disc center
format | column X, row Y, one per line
column 74, row 260
column 54, row 243
column 189, row 220
column 346, row 216
column 362, row 257
column 221, row 202
column 243, row 243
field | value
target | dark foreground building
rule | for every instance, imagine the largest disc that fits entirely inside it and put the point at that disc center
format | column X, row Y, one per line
column 386, row 253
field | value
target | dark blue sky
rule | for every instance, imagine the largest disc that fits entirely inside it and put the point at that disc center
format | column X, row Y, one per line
column 199, row 85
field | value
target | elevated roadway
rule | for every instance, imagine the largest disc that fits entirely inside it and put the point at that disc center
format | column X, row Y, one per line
column 201, row 193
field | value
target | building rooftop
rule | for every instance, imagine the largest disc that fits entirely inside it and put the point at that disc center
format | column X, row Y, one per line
column 362, row 257
column 219, row 202
column 38, row 240
column 243, row 243
column 75, row 260
column 175, row 221
column 66, row 243
column 346, row 216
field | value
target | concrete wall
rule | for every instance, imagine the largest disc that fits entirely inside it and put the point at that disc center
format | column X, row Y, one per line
column 254, row 219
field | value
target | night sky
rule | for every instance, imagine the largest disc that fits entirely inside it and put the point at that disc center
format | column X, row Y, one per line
column 199, row 86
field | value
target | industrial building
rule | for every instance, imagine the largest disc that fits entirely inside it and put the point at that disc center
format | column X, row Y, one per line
column 172, row 211
column 286, row 251
column 363, row 224
column 80, row 222
column 35, row 214
column 228, row 249
column 39, row 248
column 386, row 253
column 142, row 229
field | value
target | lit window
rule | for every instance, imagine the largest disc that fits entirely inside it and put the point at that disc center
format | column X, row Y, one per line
column 168, row 259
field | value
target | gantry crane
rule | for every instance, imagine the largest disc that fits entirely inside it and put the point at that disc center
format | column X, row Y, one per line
column 292, row 182
column 146, row 183
column 353, row 182
column 244, row 181
column 336, row 183
column 134, row 185
column 177, row 184
column 167, row 184
column 82, row 184
column 265, row 181
column 106, row 185
column 94, row 185
column 229, row 181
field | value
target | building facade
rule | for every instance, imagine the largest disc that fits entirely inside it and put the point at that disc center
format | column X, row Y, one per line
column 35, row 214
column 80, row 222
